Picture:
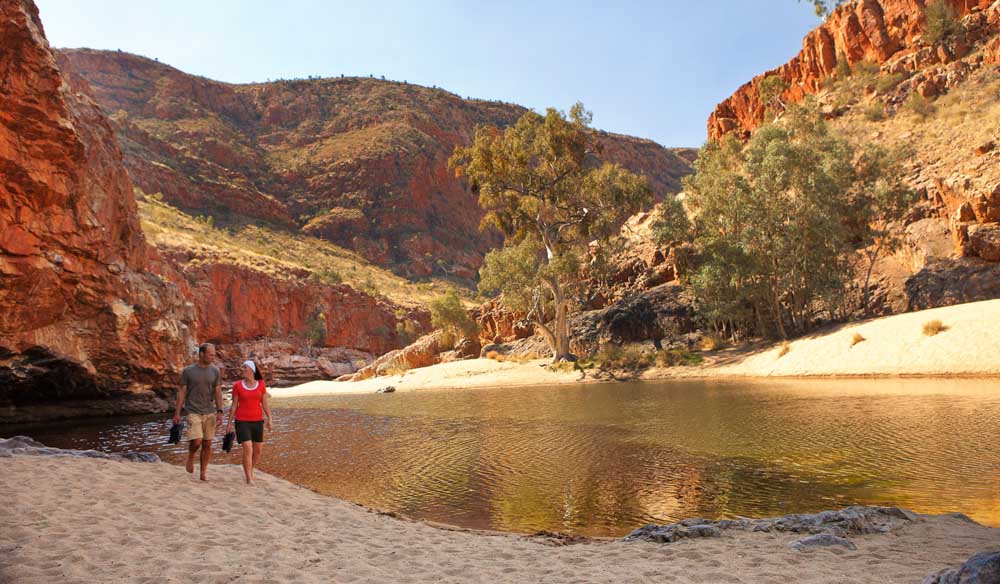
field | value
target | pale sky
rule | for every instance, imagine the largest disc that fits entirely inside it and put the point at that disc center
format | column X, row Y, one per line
column 653, row 69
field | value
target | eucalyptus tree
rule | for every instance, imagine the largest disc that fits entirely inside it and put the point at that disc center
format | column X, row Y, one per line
column 544, row 188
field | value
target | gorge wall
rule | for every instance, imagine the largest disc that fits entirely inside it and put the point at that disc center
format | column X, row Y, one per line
column 95, row 321
column 885, row 32
column 361, row 162
column 952, row 234
column 83, row 318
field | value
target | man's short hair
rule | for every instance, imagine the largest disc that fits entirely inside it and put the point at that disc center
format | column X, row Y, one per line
column 204, row 347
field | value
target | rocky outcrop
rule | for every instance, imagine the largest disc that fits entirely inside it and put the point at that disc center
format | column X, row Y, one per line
column 949, row 281
column 423, row 352
column 82, row 319
column 886, row 32
column 290, row 362
column 851, row 521
column 982, row 568
column 237, row 303
column 360, row 162
column 24, row 446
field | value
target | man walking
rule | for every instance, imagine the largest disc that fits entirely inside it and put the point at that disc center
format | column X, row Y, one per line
column 200, row 396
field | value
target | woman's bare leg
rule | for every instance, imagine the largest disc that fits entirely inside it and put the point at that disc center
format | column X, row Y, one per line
column 248, row 461
column 258, row 447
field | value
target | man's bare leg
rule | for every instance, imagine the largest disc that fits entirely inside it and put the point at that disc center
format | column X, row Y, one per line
column 206, row 455
column 193, row 447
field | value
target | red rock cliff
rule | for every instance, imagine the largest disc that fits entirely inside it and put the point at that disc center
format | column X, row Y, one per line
column 81, row 317
column 360, row 162
column 879, row 31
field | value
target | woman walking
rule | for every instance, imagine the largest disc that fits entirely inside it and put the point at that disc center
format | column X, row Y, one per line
column 252, row 412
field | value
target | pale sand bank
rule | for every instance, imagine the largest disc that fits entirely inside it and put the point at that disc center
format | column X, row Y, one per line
column 87, row 520
column 892, row 346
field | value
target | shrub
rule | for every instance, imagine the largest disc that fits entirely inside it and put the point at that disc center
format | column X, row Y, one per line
column 447, row 340
column 711, row 342
column 674, row 357
column 316, row 330
column 448, row 314
column 407, row 331
column 857, row 338
column 941, row 22
column 785, row 348
column 933, row 327
column 875, row 112
column 886, row 83
column 611, row 356
column 922, row 107
column 328, row 276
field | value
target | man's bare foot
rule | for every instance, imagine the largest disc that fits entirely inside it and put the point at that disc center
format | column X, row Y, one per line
column 190, row 465
column 204, row 478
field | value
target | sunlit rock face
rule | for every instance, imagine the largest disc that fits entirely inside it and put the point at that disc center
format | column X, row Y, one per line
column 360, row 162
column 82, row 318
column 886, row 32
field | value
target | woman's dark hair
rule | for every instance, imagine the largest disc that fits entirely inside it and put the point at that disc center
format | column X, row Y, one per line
column 257, row 375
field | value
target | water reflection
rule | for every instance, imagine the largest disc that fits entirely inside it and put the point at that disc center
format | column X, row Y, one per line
column 602, row 459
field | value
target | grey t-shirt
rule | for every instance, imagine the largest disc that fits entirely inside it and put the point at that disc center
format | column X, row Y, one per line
column 200, row 382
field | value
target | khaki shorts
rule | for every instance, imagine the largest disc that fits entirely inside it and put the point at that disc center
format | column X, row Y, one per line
column 200, row 427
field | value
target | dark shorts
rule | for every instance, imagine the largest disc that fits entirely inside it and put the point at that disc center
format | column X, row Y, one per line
column 249, row 431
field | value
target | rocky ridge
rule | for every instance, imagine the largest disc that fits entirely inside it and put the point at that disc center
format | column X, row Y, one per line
column 361, row 162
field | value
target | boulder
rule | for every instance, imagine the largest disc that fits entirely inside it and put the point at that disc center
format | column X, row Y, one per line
column 984, row 241
column 423, row 352
column 828, row 527
column 982, row 568
column 821, row 540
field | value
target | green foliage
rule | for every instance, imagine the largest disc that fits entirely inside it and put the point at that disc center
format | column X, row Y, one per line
column 920, row 106
column 328, row 276
column 448, row 315
column 407, row 330
column 774, row 222
column 675, row 357
column 823, row 8
column 843, row 70
column 541, row 186
column 629, row 357
column 673, row 224
column 771, row 88
column 875, row 112
column 941, row 22
column 316, row 330
column 886, row 83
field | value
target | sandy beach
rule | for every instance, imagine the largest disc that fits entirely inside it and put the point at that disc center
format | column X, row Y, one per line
column 90, row 520
column 892, row 346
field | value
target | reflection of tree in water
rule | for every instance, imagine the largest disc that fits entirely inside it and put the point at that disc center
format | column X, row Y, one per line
column 601, row 460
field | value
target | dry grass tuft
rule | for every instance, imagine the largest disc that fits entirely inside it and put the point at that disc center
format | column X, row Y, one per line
column 857, row 338
column 933, row 327
column 711, row 343
column 784, row 349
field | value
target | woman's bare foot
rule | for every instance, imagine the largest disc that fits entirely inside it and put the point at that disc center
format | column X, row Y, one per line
column 204, row 478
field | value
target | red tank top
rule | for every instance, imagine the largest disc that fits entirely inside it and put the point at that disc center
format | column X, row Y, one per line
column 250, row 406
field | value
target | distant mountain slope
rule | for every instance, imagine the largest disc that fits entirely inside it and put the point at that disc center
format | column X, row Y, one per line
column 357, row 161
